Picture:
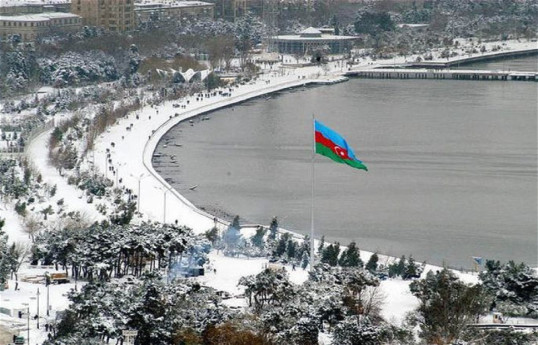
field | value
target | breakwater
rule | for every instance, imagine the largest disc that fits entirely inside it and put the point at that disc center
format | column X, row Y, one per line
column 396, row 73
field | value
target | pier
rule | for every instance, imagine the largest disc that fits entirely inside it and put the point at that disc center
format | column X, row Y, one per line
column 396, row 73
column 461, row 60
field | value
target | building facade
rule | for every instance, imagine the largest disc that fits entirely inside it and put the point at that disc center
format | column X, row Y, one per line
column 311, row 40
column 230, row 9
column 11, row 7
column 176, row 10
column 29, row 26
column 113, row 15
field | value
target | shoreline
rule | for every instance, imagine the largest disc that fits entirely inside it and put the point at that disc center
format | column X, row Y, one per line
column 178, row 208
column 151, row 144
column 173, row 170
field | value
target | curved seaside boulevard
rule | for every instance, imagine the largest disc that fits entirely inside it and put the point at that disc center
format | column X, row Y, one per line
column 132, row 155
column 129, row 160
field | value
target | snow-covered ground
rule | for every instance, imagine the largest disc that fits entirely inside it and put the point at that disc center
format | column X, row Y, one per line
column 131, row 158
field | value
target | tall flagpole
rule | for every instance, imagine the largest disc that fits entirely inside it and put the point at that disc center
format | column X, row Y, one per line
column 312, row 250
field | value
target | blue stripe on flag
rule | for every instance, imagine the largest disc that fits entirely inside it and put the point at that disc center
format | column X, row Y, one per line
column 335, row 138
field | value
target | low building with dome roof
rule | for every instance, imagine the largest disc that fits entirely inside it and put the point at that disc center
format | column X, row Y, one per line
column 310, row 40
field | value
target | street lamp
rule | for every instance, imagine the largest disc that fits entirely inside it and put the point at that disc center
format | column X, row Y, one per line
column 164, row 201
column 47, row 281
column 118, row 173
column 107, row 157
column 28, row 320
column 37, row 308
column 139, row 178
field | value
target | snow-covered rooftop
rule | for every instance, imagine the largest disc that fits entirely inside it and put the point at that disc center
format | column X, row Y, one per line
column 313, row 34
column 310, row 31
column 171, row 3
column 39, row 16
column 410, row 25
column 318, row 38
column 9, row 3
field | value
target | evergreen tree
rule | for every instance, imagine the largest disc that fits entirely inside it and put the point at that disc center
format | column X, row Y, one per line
column 371, row 265
column 305, row 260
column 235, row 223
column 27, row 175
column 411, row 270
column 290, row 250
column 282, row 245
column 304, row 248
column 351, row 257
column 212, row 235
column 397, row 268
column 447, row 306
column 5, row 260
column 257, row 239
column 273, row 229
column 232, row 236
column 321, row 245
column 401, row 266
column 330, row 254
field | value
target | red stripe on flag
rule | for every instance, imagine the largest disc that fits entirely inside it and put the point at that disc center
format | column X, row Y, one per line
column 340, row 151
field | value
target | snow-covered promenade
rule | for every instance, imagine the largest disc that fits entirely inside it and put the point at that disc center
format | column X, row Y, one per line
column 133, row 150
column 131, row 157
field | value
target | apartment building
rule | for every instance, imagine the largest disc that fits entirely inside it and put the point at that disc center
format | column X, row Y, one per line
column 171, row 9
column 114, row 15
column 29, row 26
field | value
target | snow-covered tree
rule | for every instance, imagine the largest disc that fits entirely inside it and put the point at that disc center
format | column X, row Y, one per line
column 515, row 287
column 447, row 306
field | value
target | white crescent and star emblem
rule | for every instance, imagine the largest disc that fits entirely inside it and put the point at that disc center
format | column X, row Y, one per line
column 340, row 151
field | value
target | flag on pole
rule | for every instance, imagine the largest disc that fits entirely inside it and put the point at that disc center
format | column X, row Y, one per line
column 332, row 145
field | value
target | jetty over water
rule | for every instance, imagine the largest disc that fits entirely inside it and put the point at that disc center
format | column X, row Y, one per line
column 461, row 60
column 423, row 73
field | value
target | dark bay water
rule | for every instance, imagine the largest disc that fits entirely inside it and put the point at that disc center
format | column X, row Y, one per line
column 453, row 166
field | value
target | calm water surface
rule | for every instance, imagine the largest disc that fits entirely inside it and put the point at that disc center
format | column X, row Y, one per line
column 453, row 166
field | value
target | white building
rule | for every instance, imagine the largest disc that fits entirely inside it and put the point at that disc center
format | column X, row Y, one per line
column 310, row 40
column 29, row 26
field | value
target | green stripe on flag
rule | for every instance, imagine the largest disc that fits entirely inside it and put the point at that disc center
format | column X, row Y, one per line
column 327, row 152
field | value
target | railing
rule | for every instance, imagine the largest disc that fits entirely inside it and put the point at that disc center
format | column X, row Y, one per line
column 156, row 135
column 18, row 150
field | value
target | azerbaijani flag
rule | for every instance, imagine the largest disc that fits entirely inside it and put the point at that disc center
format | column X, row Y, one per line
column 331, row 144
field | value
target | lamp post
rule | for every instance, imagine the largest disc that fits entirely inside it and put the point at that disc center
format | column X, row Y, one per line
column 47, row 280
column 37, row 308
column 28, row 320
column 107, row 157
column 164, row 205
column 139, row 178
column 164, row 202
column 118, row 173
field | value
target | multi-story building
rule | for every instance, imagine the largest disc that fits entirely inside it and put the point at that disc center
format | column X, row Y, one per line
column 12, row 7
column 230, row 9
column 114, row 15
column 310, row 40
column 29, row 26
column 173, row 9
